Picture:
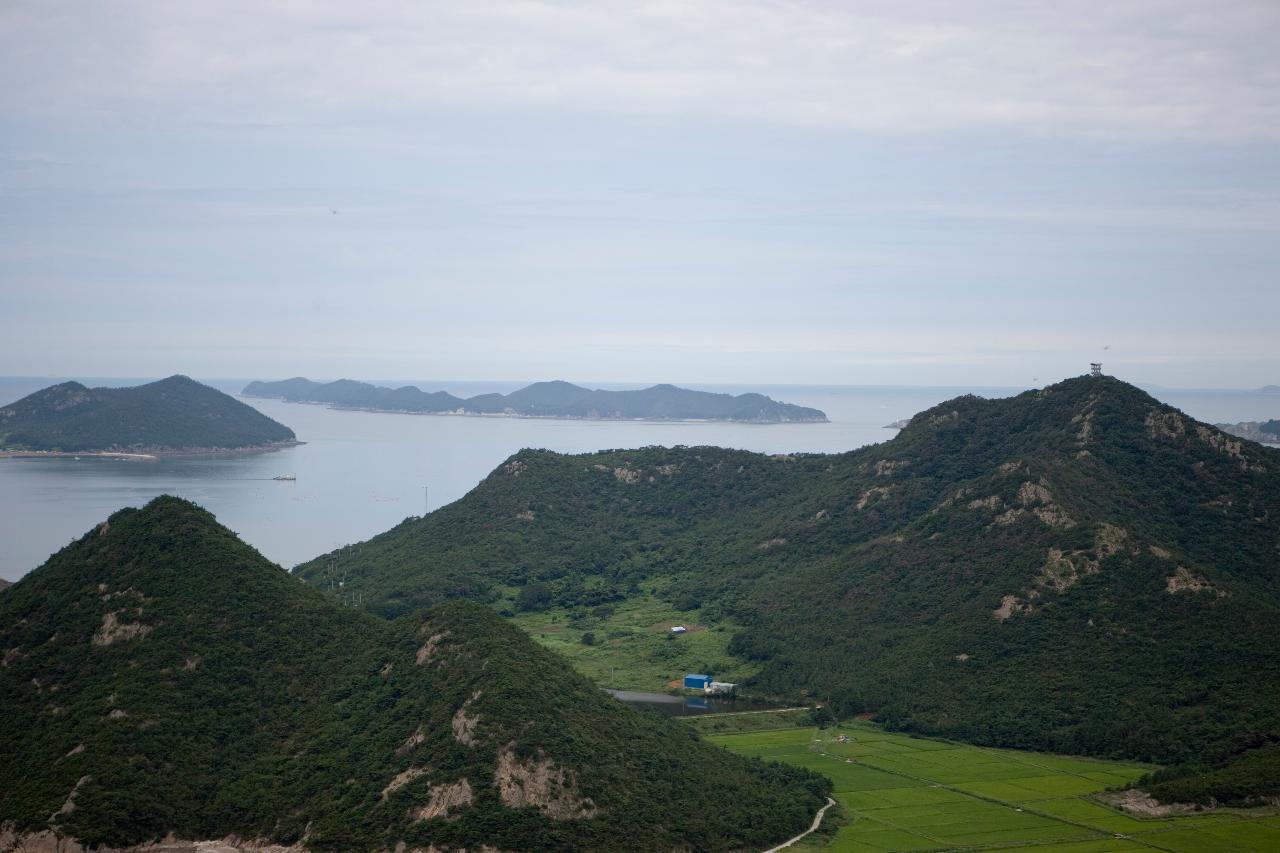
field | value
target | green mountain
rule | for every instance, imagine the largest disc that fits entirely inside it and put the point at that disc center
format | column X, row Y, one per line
column 159, row 676
column 545, row 400
column 174, row 414
column 1079, row 569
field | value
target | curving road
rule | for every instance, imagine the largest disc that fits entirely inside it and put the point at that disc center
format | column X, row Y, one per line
column 817, row 821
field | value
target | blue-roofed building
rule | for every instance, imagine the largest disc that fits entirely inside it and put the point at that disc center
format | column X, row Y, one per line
column 697, row 682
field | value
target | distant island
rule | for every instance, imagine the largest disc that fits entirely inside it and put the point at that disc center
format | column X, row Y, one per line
column 545, row 400
column 1263, row 432
column 172, row 416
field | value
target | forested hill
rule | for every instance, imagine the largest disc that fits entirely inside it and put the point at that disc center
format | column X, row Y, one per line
column 159, row 676
column 172, row 414
column 1079, row 569
column 546, row 400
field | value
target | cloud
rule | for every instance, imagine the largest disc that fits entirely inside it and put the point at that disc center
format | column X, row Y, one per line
column 1136, row 69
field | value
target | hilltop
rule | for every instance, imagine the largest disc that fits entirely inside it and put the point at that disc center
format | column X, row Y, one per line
column 1079, row 569
column 545, row 400
column 161, row 677
column 171, row 415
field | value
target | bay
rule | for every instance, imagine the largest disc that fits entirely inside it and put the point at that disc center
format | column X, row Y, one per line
column 361, row 473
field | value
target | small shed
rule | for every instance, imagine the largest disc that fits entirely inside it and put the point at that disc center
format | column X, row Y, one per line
column 694, row 681
column 678, row 629
column 721, row 687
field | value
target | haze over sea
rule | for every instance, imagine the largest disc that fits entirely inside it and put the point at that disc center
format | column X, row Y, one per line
column 360, row 473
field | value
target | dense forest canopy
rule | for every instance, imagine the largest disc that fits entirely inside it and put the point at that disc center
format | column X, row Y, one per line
column 160, row 676
column 172, row 414
column 1079, row 569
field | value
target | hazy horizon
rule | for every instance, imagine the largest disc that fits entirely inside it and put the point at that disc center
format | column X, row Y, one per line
column 433, row 384
column 752, row 193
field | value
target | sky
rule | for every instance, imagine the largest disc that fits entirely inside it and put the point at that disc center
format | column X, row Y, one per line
column 994, row 192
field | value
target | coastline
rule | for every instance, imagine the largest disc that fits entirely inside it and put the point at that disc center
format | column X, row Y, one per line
column 149, row 453
column 458, row 414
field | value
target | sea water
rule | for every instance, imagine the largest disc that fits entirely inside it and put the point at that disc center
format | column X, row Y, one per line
column 361, row 473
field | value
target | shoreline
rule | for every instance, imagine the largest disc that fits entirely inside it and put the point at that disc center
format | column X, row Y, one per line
column 150, row 453
column 456, row 414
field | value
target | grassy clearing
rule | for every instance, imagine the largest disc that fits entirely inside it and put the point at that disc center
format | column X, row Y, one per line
column 633, row 646
column 900, row 793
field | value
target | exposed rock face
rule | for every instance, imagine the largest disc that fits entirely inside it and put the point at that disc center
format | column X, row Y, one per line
column 539, row 783
column 886, row 467
column 871, row 494
column 69, row 805
column 1184, row 580
column 427, row 652
column 1009, row 605
column 401, row 779
column 1228, row 446
column 444, row 800
column 627, row 475
column 113, row 630
column 1168, row 425
column 1031, row 493
column 1063, row 570
column 412, row 741
column 464, row 724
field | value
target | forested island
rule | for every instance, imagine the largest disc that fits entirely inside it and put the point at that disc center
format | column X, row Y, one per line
column 172, row 416
column 1079, row 569
column 545, row 400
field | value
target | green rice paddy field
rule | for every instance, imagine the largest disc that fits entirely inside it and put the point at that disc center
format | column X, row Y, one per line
column 904, row 793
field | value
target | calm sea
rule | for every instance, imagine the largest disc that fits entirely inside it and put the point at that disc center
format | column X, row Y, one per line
column 361, row 473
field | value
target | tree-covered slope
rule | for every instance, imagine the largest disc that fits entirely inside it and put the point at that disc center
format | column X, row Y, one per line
column 1079, row 569
column 545, row 399
column 160, row 676
column 172, row 414
column 1251, row 779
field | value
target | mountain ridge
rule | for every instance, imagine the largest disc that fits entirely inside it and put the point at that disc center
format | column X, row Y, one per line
column 170, row 415
column 1078, row 569
column 554, row 399
column 162, row 679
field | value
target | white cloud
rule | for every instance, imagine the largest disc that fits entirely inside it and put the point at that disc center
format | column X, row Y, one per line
column 1142, row 68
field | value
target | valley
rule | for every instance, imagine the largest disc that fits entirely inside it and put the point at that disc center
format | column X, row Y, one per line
column 1048, row 572
column 902, row 793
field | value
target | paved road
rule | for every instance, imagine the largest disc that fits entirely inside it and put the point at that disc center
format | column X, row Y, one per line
column 817, row 821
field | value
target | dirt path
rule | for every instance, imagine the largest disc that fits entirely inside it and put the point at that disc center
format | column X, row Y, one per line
column 817, row 821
